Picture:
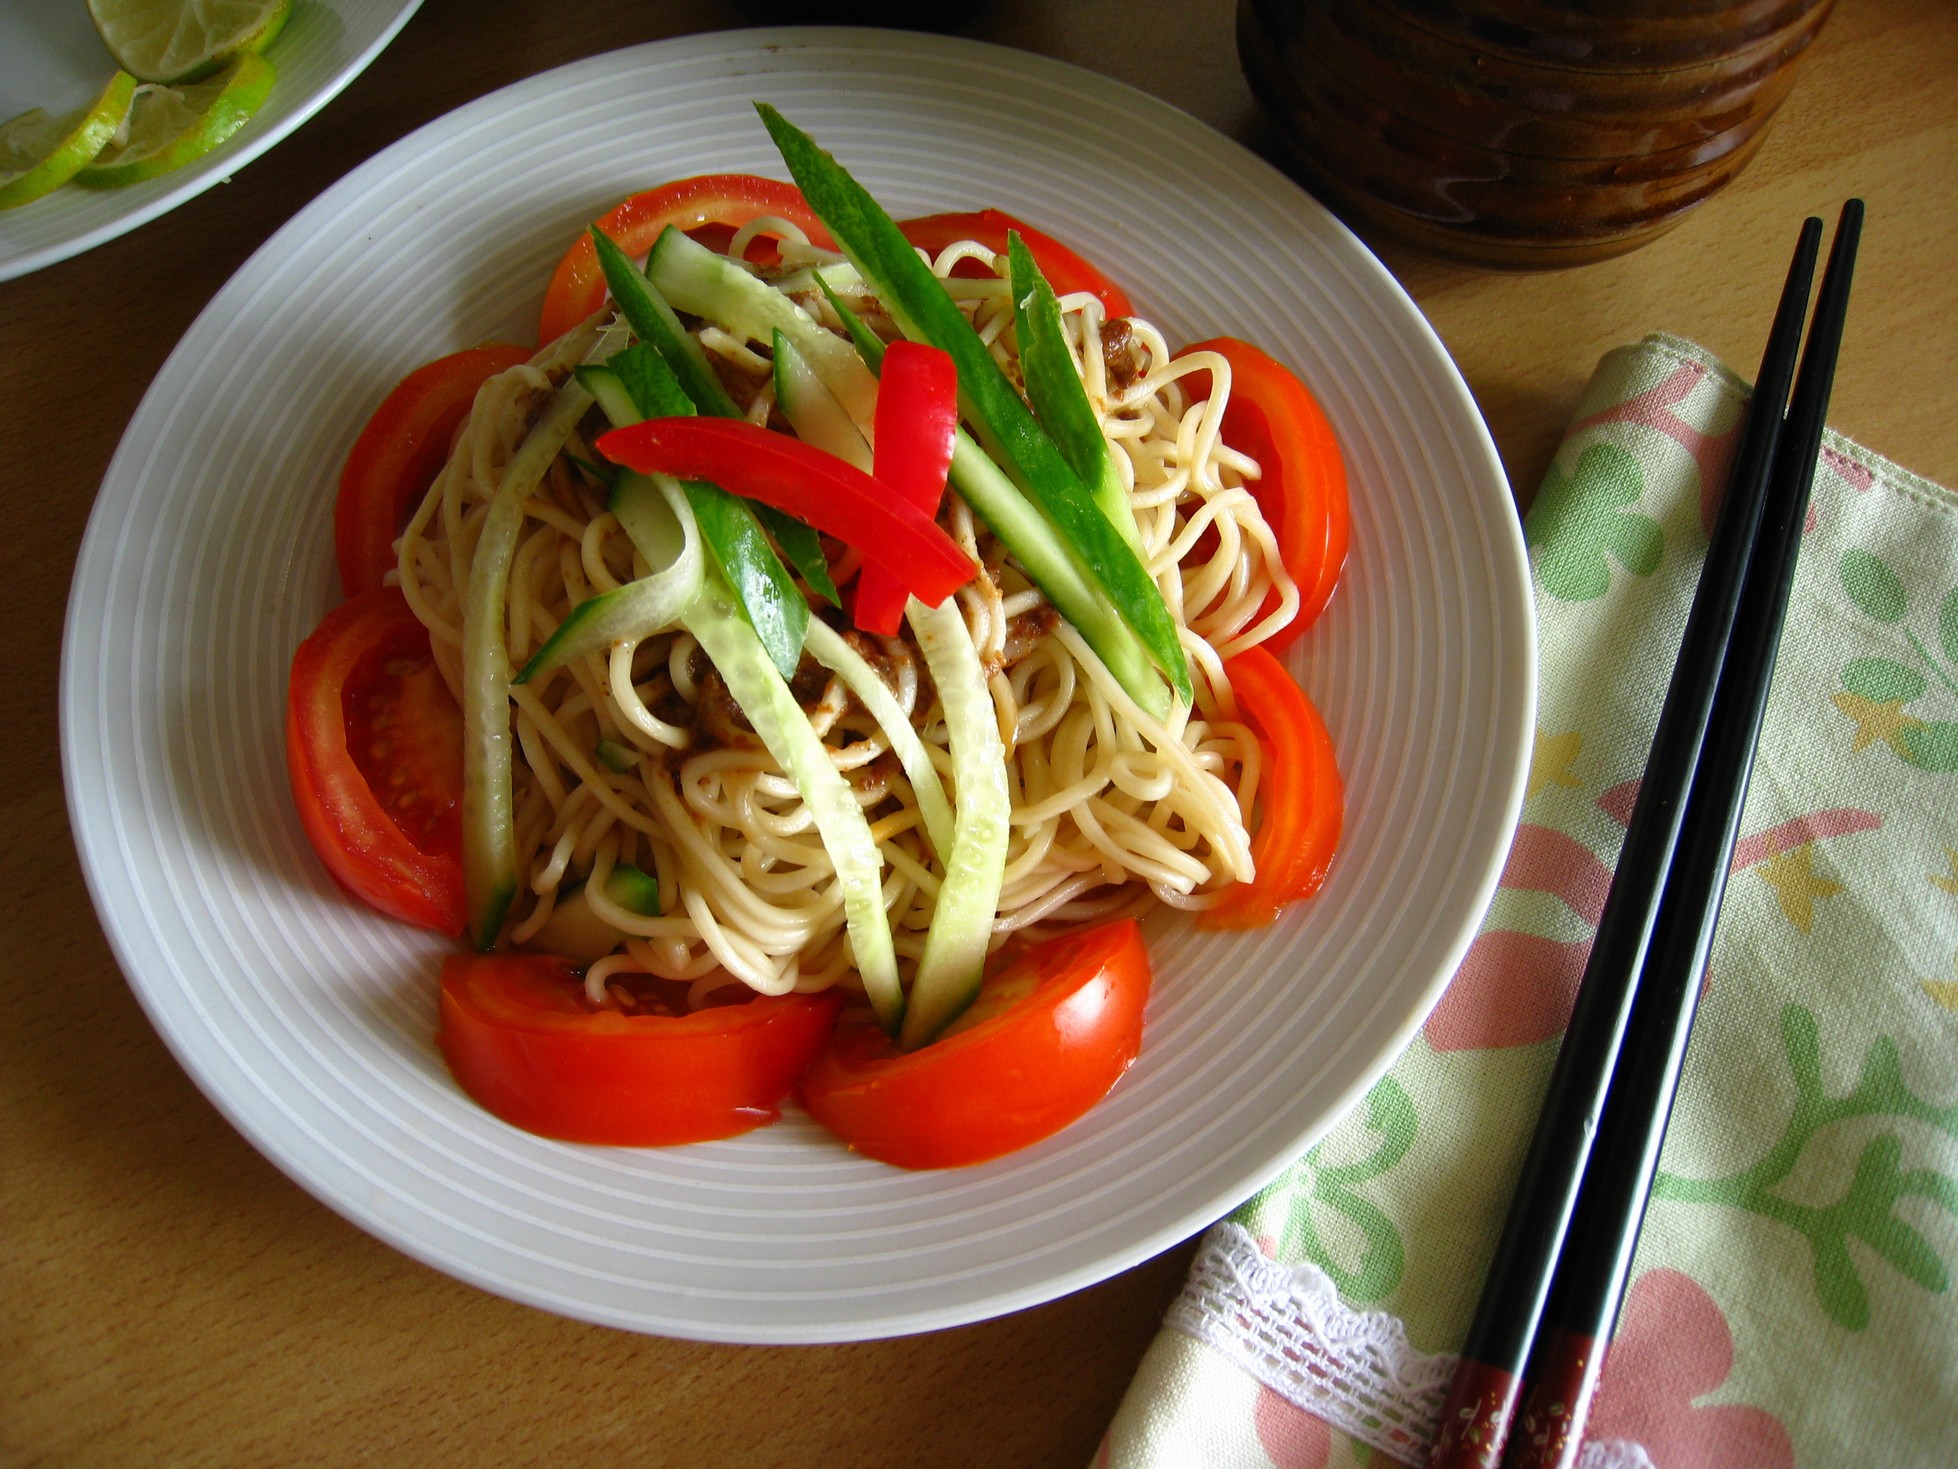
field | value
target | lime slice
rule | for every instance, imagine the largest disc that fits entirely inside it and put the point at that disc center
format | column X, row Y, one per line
column 39, row 153
column 170, row 126
column 178, row 41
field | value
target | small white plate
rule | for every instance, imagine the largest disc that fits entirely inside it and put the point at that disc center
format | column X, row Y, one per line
column 50, row 57
column 308, row 1020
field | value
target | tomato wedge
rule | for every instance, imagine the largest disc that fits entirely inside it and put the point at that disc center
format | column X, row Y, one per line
column 374, row 751
column 1303, row 800
column 577, row 287
column 399, row 453
column 917, row 421
column 1066, row 271
column 521, row 1038
column 1274, row 418
column 1045, row 1040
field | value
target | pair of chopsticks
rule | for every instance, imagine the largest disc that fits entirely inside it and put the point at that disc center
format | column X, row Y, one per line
column 1561, row 1263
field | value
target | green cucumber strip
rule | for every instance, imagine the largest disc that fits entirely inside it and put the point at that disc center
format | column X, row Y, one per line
column 579, row 932
column 1060, row 399
column 802, row 546
column 730, row 643
column 831, row 649
column 1011, row 516
column 694, row 278
column 767, row 594
column 962, row 922
column 615, row 757
column 870, row 347
column 652, row 320
column 633, row 890
column 489, row 835
column 923, row 311
column 604, row 474
column 812, row 409
column 665, row 523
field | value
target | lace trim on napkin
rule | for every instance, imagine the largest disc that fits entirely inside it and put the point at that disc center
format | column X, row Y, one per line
column 1287, row 1327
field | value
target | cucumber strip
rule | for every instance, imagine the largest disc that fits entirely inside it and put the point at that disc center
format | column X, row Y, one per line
column 995, row 499
column 831, row 649
column 614, row 756
column 785, row 730
column 962, row 922
column 577, row 930
column 870, row 346
column 659, row 520
column 923, row 311
column 1060, row 401
column 638, row 383
column 694, row 278
column 802, row 546
column 812, row 410
column 652, row 320
column 489, row 833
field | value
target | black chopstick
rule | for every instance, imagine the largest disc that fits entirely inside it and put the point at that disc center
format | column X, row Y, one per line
column 1592, row 1271
column 1482, row 1396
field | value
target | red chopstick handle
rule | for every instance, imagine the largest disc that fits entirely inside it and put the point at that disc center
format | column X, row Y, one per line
column 1475, row 1418
column 1550, row 1430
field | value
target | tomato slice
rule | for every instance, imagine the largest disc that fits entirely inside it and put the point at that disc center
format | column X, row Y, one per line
column 521, row 1038
column 399, row 453
column 1045, row 1040
column 1303, row 800
column 1274, row 418
column 374, row 751
column 1066, row 271
column 577, row 287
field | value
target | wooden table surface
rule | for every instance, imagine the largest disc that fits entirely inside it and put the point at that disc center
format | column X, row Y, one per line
column 167, row 1297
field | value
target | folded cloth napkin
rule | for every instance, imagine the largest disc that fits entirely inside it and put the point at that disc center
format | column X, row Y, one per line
column 1790, row 1301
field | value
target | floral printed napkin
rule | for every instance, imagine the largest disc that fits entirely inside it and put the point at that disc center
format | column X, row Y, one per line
column 1791, row 1301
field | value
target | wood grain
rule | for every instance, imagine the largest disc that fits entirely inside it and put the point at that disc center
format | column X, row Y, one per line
column 168, row 1298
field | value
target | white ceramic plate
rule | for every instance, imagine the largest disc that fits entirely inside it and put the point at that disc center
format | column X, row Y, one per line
column 308, row 1020
column 50, row 57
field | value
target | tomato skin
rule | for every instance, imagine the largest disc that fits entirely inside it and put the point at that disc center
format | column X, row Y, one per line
column 1068, row 1024
column 1302, row 795
column 399, row 453
column 363, row 682
column 577, row 286
column 522, row 1040
column 1274, row 418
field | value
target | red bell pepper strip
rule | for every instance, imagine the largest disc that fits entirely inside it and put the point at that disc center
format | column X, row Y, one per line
column 1301, row 793
column 815, row 487
column 916, row 425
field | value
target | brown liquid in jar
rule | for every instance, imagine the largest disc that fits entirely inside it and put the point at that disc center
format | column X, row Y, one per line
column 1521, row 134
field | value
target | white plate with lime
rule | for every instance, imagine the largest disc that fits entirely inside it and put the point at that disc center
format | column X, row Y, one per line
column 52, row 59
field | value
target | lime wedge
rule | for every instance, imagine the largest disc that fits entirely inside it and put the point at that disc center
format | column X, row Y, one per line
column 170, row 126
column 178, row 41
column 39, row 153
